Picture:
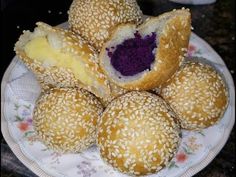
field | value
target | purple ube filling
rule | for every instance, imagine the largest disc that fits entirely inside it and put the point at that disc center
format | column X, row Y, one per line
column 134, row 55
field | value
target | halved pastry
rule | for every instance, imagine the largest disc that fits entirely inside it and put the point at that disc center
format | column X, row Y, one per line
column 59, row 58
column 145, row 57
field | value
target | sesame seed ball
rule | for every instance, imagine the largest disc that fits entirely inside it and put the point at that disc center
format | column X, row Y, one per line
column 65, row 119
column 95, row 19
column 197, row 94
column 138, row 133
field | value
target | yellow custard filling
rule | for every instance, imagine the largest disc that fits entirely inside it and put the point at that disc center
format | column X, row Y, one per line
column 40, row 49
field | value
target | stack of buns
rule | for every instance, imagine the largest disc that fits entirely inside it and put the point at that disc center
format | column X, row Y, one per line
column 121, row 83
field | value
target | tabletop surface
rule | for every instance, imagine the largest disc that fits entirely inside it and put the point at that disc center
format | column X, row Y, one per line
column 215, row 23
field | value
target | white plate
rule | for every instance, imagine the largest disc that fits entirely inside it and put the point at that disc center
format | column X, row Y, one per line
column 19, row 91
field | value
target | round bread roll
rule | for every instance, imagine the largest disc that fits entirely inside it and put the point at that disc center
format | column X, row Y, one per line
column 138, row 134
column 143, row 58
column 95, row 19
column 65, row 119
column 197, row 94
column 59, row 58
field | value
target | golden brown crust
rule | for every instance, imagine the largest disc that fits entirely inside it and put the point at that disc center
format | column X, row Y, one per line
column 173, row 40
column 197, row 94
column 138, row 134
column 53, row 76
column 95, row 19
column 65, row 119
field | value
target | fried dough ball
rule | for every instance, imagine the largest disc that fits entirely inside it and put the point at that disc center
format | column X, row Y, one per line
column 198, row 95
column 65, row 119
column 138, row 134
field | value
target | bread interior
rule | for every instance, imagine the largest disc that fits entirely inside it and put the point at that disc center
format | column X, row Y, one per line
column 48, row 48
column 127, row 32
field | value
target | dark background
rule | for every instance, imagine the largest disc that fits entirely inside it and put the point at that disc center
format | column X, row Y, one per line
column 215, row 23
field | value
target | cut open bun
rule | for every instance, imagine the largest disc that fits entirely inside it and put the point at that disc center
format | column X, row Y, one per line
column 172, row 31
column 59, row 58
